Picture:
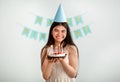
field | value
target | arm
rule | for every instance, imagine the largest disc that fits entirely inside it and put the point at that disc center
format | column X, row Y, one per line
column 46, row 64
column 72, row 67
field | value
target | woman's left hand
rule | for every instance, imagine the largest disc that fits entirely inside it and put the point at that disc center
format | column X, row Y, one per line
column 61, row 59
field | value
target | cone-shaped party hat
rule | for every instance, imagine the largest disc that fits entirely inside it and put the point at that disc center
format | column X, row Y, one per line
column 60, row 16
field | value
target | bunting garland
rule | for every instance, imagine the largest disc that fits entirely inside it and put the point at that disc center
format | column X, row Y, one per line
column 69, row 21
column 78, row 33
column 26, row 31
column 49, row 22
column 78, row 19
column 38, row 20
column 42, row 36
column 32, row 34
column 86, row 30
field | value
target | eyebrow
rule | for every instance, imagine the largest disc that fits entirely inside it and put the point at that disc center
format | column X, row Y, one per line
column 61, row 30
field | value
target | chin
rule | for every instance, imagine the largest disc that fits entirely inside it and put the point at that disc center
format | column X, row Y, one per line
column 59, row 41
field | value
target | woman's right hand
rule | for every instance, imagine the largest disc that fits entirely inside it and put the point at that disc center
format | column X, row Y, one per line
column 52, row 60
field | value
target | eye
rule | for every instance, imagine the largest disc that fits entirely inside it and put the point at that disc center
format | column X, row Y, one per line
column 55, row 30
column 63, row 31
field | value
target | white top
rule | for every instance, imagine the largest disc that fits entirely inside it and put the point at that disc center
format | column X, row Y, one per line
column 58, row 74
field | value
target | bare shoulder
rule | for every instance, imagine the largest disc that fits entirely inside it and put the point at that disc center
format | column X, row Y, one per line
column 43, row 54
column 43, row 51
column 72, row 49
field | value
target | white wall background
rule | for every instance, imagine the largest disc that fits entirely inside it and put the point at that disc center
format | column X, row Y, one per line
column 99, row 51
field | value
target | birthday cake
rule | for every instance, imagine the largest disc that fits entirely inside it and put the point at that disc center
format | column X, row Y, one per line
column 56, row 55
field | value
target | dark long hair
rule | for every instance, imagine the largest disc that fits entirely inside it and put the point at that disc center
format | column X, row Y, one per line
column 67, row 40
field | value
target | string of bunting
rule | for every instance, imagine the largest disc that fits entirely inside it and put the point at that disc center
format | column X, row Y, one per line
column 76, row 19
column 42, row 36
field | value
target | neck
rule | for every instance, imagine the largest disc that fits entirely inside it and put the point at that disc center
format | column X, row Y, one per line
column 57, row 43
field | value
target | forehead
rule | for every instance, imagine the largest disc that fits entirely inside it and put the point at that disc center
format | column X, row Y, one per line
column 59, row 27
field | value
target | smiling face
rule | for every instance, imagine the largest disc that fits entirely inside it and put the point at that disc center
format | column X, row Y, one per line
column 59, row 33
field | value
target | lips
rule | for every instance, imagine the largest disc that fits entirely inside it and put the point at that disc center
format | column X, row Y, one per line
column 58, row 37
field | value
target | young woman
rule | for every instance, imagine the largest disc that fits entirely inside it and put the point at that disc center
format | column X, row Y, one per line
column 60, row 69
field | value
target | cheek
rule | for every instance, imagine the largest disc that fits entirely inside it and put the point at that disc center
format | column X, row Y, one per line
column 65, row 35
column 53, row 34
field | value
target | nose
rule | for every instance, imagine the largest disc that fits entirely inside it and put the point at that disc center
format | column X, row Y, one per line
column 59, row 33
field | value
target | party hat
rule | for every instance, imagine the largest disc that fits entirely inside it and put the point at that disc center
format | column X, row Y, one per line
column 60, row 16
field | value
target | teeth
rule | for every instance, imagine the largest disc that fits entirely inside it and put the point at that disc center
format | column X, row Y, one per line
column 58, row 37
